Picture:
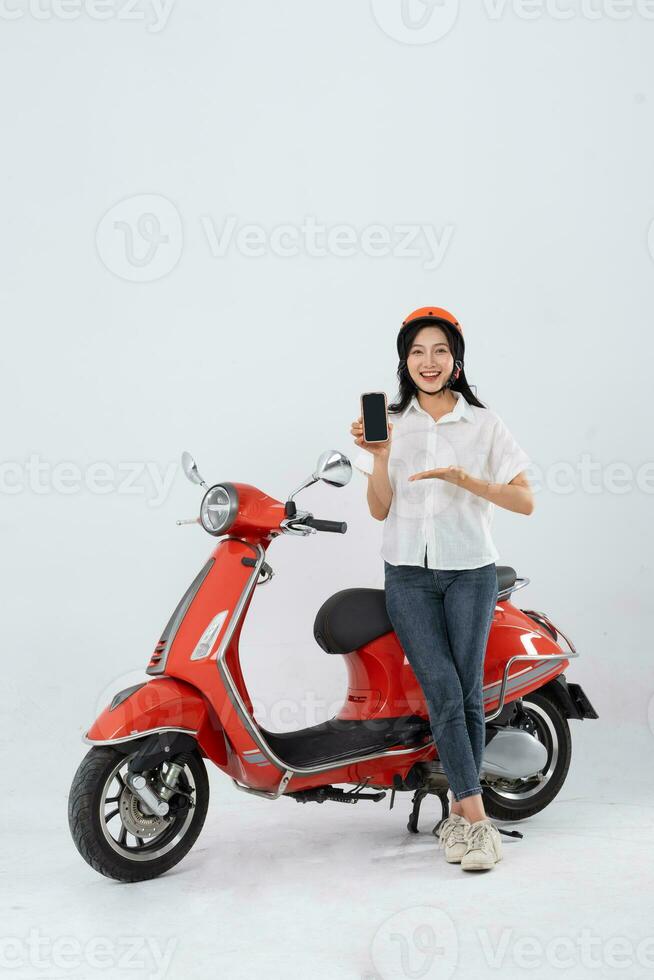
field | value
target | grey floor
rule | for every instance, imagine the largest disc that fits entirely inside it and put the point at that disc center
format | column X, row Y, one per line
column 281, row 889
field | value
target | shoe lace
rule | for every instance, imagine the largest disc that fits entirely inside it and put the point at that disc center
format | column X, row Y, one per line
column 480, row 834
column 452, row 833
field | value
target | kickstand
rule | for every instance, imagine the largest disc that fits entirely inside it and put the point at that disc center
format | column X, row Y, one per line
column 418, row 797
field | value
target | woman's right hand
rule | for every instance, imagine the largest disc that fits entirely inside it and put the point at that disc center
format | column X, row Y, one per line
column 381, row 449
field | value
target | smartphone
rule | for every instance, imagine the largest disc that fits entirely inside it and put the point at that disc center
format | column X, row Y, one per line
column 373, row 411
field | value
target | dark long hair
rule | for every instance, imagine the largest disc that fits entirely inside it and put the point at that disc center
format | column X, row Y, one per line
column 407, row 388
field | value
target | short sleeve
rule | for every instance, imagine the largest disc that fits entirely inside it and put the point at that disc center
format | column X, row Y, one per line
column 364, row 461
column 506, row 457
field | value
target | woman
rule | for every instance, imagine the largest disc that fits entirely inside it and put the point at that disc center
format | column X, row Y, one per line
column 447, row 460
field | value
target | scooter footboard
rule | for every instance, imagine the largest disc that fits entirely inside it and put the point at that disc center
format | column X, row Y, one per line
column 161, row 704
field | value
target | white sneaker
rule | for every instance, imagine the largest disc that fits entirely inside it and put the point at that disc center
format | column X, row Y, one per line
column 484, row 846
column 452, row 835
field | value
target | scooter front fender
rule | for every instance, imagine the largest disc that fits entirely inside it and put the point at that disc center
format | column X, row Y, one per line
column 162, row 704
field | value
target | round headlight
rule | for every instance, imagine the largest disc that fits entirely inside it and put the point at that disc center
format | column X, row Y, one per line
column 219, row 508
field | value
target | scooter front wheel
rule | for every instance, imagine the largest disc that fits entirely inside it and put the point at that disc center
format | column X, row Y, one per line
column 115, row 834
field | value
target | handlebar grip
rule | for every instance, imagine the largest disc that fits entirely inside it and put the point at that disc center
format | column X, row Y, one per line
column 338, row 527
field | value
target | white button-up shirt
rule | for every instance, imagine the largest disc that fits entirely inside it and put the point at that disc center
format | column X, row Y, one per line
column 451, row 523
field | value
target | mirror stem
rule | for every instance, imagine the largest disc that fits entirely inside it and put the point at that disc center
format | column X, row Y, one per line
column 307, row 483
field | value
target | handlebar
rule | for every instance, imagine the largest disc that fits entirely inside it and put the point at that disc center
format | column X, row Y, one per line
column 338, row 527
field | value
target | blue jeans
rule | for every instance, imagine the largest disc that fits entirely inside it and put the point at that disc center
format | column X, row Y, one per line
column 442, row 619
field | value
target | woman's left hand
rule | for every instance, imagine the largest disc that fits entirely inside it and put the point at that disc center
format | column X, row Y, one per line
column 451, row 474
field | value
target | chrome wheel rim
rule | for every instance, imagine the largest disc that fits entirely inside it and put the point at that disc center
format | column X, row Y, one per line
column 121, row 818
column 546, row 734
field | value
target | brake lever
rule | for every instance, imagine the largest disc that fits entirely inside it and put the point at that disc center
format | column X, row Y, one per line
column 300, row 528
column 191, row 520
column 294, row 525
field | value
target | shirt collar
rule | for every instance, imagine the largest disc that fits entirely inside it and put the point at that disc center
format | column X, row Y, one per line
column 462, row 410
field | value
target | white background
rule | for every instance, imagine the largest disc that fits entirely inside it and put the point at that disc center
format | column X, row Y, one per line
column 525, row 143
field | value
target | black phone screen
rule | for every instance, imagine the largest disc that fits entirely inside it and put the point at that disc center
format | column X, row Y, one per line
column 374, row 417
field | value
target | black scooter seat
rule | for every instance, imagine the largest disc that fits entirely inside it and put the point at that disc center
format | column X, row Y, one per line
column 352, row 617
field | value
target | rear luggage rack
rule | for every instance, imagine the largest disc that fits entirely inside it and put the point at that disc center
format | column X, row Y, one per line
column 518, row 584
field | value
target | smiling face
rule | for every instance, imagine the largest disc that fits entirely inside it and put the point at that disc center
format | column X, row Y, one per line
column 430, row 360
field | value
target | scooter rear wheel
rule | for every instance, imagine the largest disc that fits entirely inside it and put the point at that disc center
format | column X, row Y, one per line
column 113, row 833
column 547, row 723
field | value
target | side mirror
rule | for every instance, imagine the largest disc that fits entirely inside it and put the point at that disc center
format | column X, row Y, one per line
column 191, row 470
column 333, row 467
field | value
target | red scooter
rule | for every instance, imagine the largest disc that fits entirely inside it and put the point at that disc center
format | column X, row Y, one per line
column 139, row 798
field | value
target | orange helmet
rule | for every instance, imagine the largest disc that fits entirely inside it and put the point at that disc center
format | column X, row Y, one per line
column 437, row 312
column 430, row 314
column 436, row 315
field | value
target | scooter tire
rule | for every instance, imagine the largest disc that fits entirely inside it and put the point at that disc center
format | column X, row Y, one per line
column 498, row 806
column 84, row 816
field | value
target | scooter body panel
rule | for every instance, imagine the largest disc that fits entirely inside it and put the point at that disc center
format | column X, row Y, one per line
column 164, row 704
column 381, row 683
column 223, row 601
